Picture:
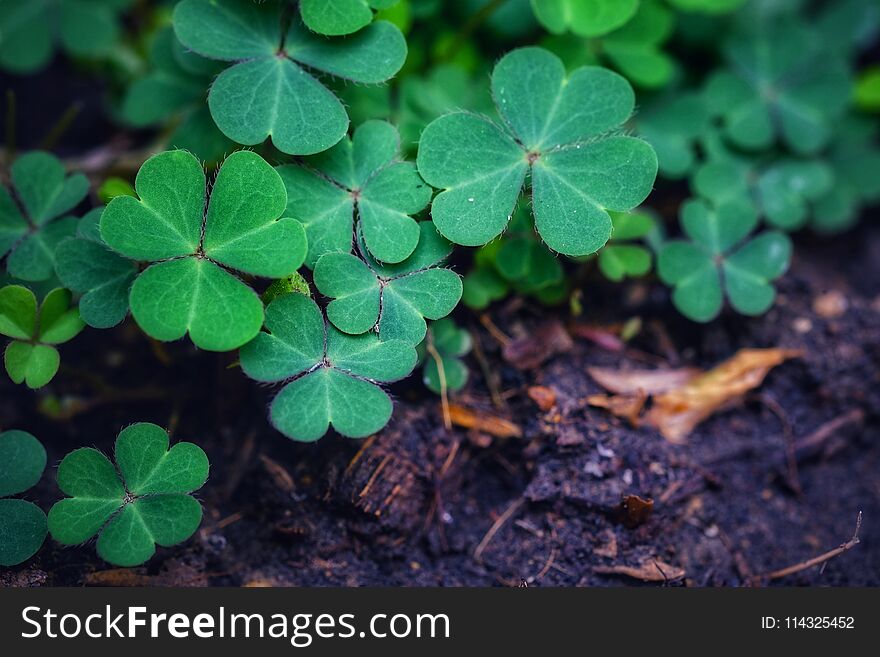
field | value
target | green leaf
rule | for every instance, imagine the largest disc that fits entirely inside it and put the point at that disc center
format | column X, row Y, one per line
column 361, row 177
column 673, row 126
column 149, row 504
column 398, row 297
column 32, row 364
column 333, row 380
column 450, row 343
column 18, row 312
column 340, row 17
column 58, row 322
column 695, row 268
column 22, row 461
column 195, row 296
column 103, row 278
column 481, row 287
column 269, row 93
column 560, row 127
column 24, row 530
column 587, row 18
column 189, row 290
column 45, row 190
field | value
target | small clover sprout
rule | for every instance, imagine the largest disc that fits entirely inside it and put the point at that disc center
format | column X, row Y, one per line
column 620, row 257
column 340, row 17
column 556, row 128
column 717, row 261
column 22, row 523
column 103, row 277
column 331, row 377
column 782, row 192
column 782, row 85
column 175, row 87
column 267, row 91
column 29, row 233
column 31, row 358
column 586, row 18
column 444, row 346
column 363, row 177
column 30, row 29
column 394, row 298
column 143, row 501
column 189, row 288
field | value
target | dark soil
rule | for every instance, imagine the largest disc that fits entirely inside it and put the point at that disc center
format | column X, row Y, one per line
column 421, row 505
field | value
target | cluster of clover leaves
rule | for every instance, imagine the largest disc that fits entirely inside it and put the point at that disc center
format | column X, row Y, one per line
column 142, row 501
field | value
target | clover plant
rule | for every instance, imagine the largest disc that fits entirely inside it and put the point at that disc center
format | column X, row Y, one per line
column 269, row 91
column 22, row 523
column 360, row 181
column 444, row 346
column 34, row 221
column 102, row 277
column 142, row 501
column 586, row 18
column 556, row 128
column 191, row 286
column 718, row 261
column 32, row 358
column 31, row 29
column 394, row 298
column 674, row 125
column 331, row 378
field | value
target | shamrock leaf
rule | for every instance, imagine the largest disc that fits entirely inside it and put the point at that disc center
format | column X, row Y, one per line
column 620, row 257
column 174, row 87
column 189, row 289
column 481, row 286
column 86, row 266
column 707, row 6
column 397, row 298
column 30, row 232
column 716, row 262
column 782, row 191
column 444, row 345
column 528, row 266
column 142, row 501
column 361, row 176
column 782, row 85
column 22, row 523
column 586, row 18
column 83, row 28
column 340, row 17
column 31, row 357
column 673, row 127
column 332, row 376
column 557, row 131
column 268, row 91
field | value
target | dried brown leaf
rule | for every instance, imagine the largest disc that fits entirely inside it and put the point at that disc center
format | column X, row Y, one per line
column 546, row 341
column 544, row 397
column 479, row 421
column 652, row 382
column 650, row 570
column 627, row 406
column 676, row 412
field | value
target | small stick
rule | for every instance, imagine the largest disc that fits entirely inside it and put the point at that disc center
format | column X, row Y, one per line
column 61, row 126
column 498, row 524
column 500, row 336
column 441, row 374
column 821, row 560
column 488, row 373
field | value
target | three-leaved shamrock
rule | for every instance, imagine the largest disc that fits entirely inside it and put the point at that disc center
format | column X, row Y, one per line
column 331, row 376
column 189, row 288
column 719, row 262
column 340, row 17
column 558, row 128
column 268, row 90
column 23, row 523
column 31, row 358
column 360, row 179
column 102, row 277
column 29, row 233
column 782, row 85
column 395, row 298
column 142, row 501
